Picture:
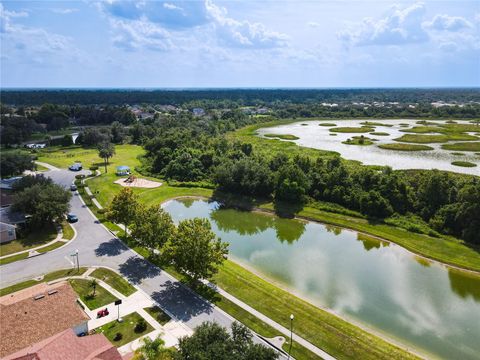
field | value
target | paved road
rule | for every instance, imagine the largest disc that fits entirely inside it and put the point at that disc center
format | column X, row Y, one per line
column 98, row 247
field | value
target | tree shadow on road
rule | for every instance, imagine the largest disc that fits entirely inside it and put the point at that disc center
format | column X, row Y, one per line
column 179, row 301
column 113, row 247
column 136, row 269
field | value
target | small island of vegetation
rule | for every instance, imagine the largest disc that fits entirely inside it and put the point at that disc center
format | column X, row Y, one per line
column 283, row 137
column 348, row 129
column 464, row 163
column 358, row 140
column 405, row 147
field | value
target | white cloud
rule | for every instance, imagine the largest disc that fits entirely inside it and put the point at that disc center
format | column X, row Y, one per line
column 64, row 11
column 399, row 26
column 171, row 6
column 447, row 23
column 313, row 24
column 243, row 34
column 140, row 34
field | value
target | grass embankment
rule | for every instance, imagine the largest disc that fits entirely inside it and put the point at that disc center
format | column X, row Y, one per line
column 283, row 137
column 32, row 240
column 429, row 139
column 158, row 314
column 127, row 328
column 358, row 140
column 48, row 277
column 114, row 280
column 464, row 163
column 462, row 146
column 13, row 258
column 379, row 133
column 405, row 147
column 85, row 292
column 347, row 129
column 323, row 329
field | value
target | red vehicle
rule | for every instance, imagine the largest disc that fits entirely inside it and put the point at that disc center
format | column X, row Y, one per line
column 102, row 313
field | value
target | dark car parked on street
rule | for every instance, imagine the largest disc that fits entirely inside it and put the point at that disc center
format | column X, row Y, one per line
column 72, row 218
column 76, row 167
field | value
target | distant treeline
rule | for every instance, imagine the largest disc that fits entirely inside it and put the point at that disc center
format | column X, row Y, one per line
column 241, row 96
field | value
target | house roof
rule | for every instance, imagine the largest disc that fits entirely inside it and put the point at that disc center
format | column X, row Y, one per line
column 67, row 345
column 26, row 321
column 4, row 226
column 11, row 217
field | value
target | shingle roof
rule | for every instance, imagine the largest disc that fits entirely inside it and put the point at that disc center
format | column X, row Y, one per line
column 67, row 345
column 26, row 321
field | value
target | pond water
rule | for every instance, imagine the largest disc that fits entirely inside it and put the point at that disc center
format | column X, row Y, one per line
column 319, row 137
column 421, row 304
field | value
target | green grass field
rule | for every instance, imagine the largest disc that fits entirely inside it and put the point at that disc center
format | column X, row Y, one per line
column 158, row 314
column 126, row 328
column 48, row 277
column 464, row 163
column 346, row 129
column 462, row 146
column 33, row 239
column 64, row 157
column 429, row 139
column 283, row 137
column 405, row 147
column 85, row 292
column 68, row 232
column 114, row 280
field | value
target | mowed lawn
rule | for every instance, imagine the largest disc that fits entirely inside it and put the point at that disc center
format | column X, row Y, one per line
column 63, row 157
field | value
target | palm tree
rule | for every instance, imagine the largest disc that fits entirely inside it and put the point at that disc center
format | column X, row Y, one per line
column 152, row 350
column 93, row 284
column 106, row 150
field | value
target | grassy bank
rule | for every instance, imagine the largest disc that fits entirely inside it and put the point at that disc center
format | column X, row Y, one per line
column 405, row 147
column 283, row 137
column 363, row 129
column 430, row 139
column 462, row 146
column 464, row 163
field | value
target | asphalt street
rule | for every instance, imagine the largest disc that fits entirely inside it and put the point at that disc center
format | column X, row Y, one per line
column 98, row 247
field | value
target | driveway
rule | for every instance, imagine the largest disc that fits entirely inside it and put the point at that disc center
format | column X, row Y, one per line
column 98, row 247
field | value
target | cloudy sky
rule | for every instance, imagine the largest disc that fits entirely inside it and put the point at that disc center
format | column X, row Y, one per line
column 212, row 43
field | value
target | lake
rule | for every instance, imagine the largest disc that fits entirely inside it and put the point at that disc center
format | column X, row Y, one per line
column 319, row 137
column 380, row 285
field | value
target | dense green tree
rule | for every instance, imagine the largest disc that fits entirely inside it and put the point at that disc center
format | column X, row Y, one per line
column 15, row 163
column 92, row 137
column 291, row 184
column 195, row 250
column 45, row 203
column 123, row 208
column 152, row 227
column 118, row 132
column 212, row 341
column 30, row 180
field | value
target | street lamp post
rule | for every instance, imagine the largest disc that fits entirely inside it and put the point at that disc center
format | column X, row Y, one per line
column 78, row 261
column 291, row 335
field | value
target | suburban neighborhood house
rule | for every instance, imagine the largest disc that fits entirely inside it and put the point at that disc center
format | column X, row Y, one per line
column 46, row 322
column 9, row 220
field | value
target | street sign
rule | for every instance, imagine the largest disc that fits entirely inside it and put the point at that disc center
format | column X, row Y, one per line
column 118, row 302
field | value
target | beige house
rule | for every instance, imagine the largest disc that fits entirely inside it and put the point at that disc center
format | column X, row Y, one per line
column 7, row 233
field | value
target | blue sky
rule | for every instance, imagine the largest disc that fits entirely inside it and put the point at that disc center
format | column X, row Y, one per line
column 214, row 43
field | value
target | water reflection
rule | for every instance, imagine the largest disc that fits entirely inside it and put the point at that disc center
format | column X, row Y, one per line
column 251, row 223
column 465, row 285
column 418, row 302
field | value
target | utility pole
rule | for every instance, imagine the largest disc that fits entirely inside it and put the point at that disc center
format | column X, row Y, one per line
column 291, row 335
column 78, row 261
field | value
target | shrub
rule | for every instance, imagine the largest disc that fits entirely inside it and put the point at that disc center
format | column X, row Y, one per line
column 79, row 176
column 118, row 336
column 140, row 326
column 102, row 211
column 94, row 168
